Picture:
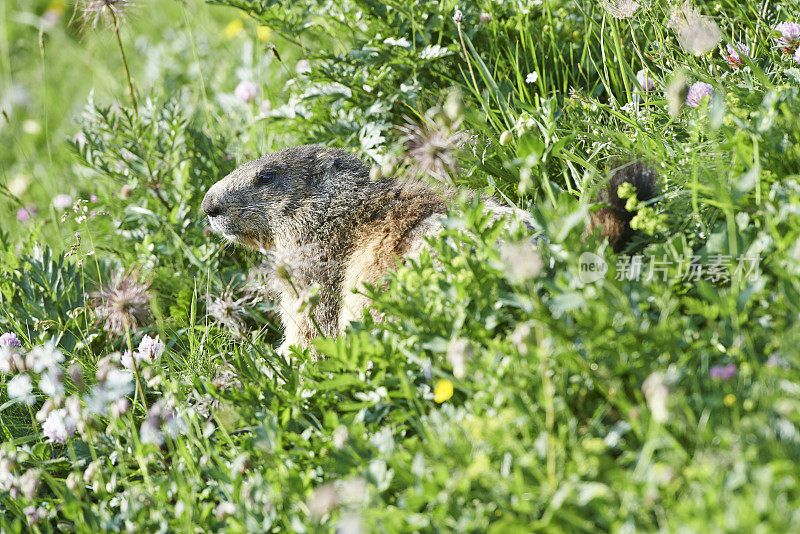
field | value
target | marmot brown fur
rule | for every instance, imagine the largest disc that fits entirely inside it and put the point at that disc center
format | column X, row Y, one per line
column 319, row 204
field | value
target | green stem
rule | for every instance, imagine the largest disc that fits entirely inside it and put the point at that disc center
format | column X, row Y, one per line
column 139, row 387
column 124, row 62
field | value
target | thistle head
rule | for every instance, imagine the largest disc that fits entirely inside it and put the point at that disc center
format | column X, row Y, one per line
column 111, row 13
column 123, row 303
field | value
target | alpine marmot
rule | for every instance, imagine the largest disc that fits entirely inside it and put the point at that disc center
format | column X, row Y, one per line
column 319, row 205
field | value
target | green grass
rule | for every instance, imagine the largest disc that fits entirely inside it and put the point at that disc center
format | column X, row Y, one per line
column 579, row 406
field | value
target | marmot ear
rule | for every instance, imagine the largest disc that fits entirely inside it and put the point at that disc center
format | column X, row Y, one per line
column 331, row 166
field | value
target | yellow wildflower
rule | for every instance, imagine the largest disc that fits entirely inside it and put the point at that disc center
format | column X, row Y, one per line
column 442, row 391
column 233, row 28
column 263, row 33
column 59, row 6
column 729, row 399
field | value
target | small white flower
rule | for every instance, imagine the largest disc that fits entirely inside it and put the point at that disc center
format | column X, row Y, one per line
column 20, row 388
column 120, row 406
column 246, row 91
column 126, row 359
column 150, row 432
column 7, row 477
column 34, row 514
column 151, row 349
column 340, row 436
column 119, row 382
column 6, row 360
column 10, row 339
column 322, row 500
column 302, row 66
column 532, row 77
column 44, row 357
column 59, row 426
column 52, row 383
column 458, row 17
column 62, row 201
column 29, row 483
column 224, row 509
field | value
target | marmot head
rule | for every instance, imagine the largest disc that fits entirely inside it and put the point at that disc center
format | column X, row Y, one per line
column 280, row 198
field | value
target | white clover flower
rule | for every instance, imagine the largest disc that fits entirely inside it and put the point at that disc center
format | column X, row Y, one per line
column 20, row 387
column 29, row 483
column 45, row 410
column 6, row 360
column 162, row 420
column 150, row 431
column 224, row 509
column 354, row 491
column 10, row 340
column 7, row 477
column 59, row 426
column 73, row 404
column 62, row 201
column 118, row 383
column 340, row 436
column 322, row 500
column 151, row 349
column 113, row 385
column 33, row 514
column 246, row 91
column 120, row 407
column 91, row 471
column 126, row 359
column 44, row 357
column 532, row 77
column 52, row 383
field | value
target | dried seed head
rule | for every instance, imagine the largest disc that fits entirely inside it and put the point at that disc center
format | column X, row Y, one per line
column 697, row 33
column 432, row 148
column 90, row 13
column 227, row 312
column 621, row 9
column 122, row 303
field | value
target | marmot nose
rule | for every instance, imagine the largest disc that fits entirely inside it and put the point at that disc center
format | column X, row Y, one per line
column 211, row 206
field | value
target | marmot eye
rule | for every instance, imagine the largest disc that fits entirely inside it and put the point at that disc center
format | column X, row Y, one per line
column 265, row 177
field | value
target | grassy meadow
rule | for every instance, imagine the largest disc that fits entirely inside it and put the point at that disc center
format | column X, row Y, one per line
column 520, row 380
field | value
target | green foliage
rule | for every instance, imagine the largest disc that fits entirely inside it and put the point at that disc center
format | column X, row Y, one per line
column 497, row 384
